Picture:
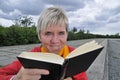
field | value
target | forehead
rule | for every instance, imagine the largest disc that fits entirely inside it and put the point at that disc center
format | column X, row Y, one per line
column 56, row 27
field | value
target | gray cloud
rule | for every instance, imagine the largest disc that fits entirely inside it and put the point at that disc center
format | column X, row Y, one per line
column 109, row 15
column 103, row 16
column 34, row 7
column 114, row 19
column 84, row 14
column 91, row 25
column 69, row 5
column 11, row 10
column 11, row 15
column 5, row 6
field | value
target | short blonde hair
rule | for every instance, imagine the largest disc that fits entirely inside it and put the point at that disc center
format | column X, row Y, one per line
column 52, row 16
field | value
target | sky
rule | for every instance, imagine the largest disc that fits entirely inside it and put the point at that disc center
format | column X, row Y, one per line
column 97, row 16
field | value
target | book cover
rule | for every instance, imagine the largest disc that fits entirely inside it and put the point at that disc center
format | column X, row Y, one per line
column 76, row 62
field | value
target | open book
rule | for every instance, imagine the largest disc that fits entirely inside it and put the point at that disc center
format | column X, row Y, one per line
column 77, row 61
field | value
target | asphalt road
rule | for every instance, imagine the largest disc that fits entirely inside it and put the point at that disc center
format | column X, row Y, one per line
column 114, row 59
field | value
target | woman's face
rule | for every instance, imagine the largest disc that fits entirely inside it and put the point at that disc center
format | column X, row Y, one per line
column 54, row 38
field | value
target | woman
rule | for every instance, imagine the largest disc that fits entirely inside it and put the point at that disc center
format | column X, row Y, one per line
column 52, row 31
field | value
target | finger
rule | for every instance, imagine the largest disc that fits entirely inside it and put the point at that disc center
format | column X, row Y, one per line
column 44, row 72
column 37, row 71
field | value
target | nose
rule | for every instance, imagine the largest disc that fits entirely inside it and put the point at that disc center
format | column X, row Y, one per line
column 55, row 39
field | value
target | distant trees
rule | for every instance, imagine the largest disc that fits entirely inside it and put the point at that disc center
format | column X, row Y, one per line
column 74, row 34
column 24, row 21
column 74, row 29
column 16, row 35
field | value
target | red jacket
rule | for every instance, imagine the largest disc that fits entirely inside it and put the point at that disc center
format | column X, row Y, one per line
column 12, row 69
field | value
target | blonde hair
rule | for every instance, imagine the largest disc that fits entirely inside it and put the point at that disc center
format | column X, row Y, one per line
column 52, row 16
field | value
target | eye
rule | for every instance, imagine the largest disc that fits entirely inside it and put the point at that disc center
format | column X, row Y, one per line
column 48, row 33
column 61, row 33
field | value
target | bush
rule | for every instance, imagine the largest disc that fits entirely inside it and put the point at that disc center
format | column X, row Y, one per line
column 15, row 35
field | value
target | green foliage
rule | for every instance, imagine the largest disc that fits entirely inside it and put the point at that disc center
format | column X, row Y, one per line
column 87, row 35
column 2, row 35
column 16, row 35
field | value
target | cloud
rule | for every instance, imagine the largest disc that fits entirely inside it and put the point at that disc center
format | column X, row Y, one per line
column 85, row 17
column 111, row 28
column 26, row 7
column 11, row 15
column 11, row 9
column 5, row 21
column 114, row 19
column 69, row 5
column 92, row 15
column 33, row 7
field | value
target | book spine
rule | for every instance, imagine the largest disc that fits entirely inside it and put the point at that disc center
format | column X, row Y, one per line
column 63, row 72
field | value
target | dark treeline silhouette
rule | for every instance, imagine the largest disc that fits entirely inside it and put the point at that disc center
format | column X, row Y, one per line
column 17, row 35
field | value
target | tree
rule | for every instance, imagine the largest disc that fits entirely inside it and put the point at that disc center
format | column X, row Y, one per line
column 82, row 31
column 88, row 32
column 74, row 29
column 24, row 21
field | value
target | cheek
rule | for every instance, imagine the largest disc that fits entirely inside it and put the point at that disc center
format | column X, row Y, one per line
column 44, row 40
column 63, row 39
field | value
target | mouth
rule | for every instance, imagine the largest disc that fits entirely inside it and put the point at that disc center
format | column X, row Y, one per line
column 55, row 47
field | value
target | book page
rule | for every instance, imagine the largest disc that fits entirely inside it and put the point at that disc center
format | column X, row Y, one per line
column 40, row 56
column 87, row 47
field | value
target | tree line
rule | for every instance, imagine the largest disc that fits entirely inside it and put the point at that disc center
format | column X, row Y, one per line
column 24, row 32
column 17, row 35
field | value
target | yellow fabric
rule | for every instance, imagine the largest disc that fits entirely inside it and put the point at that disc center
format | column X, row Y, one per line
column 64, row 52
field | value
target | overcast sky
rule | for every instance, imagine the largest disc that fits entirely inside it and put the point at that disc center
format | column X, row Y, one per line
column 97, row 16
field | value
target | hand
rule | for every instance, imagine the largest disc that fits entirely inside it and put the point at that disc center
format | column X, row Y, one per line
column 68, row 78
column 30, row 74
